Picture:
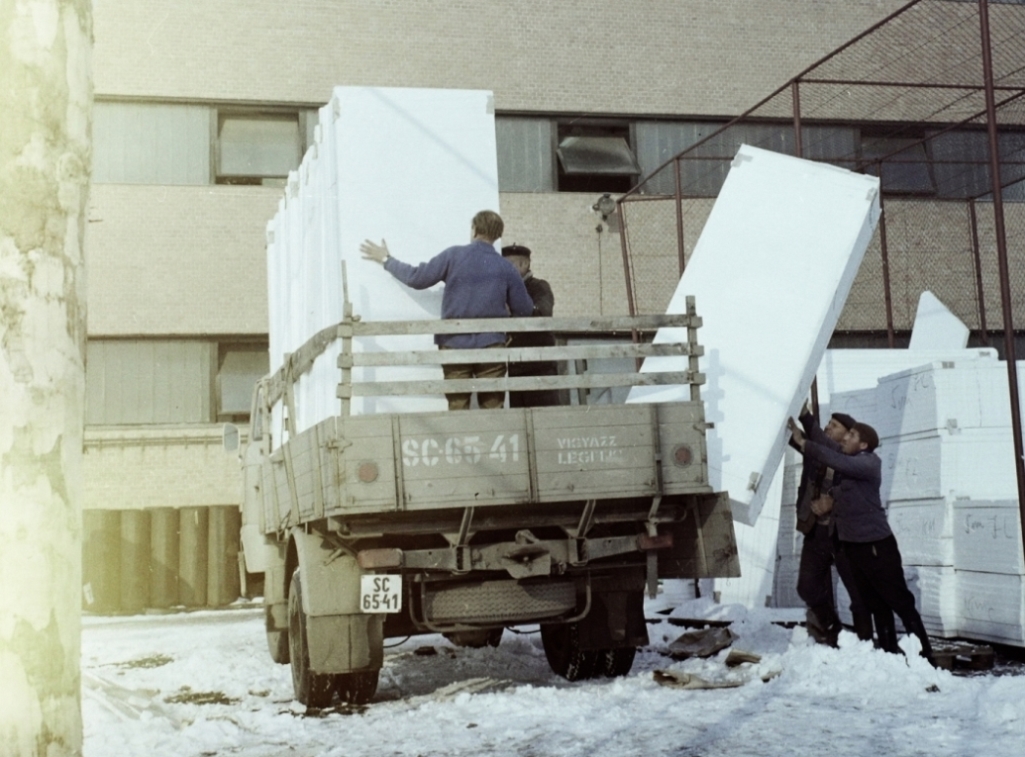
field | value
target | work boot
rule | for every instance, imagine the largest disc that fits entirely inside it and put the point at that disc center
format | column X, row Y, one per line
column 886, row 638
column 823, row 632
column 918, row 629
column 863, row 625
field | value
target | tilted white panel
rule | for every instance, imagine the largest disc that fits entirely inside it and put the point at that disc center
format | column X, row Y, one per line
column 770, row 273
column 935, row 327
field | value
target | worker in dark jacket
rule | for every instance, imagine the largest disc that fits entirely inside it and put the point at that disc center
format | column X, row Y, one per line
column 479, row 283
column 865, row 535
column 544, row 303
column 820, row 549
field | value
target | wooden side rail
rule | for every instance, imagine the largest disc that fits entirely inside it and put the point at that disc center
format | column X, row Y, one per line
column 301, row 361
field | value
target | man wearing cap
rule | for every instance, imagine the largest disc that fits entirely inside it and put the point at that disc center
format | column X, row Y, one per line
column 820, row 549
column 865, row 535
column 479, row 283
column 544, row 303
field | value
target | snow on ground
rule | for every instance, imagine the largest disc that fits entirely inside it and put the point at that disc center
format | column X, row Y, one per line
column 193, row 684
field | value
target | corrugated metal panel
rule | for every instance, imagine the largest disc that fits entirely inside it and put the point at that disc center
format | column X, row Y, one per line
column 149, row 143
column 525, row 160
column 140, row 382
column 658, row 141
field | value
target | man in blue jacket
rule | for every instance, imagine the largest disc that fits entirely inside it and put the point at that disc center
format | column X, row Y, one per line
column 865, row 534
column 479, row 283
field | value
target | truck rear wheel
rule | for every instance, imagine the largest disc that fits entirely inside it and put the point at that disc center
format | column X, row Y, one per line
column 311, row 689
column 565, row 657
column 357, row 688
column 614, row 663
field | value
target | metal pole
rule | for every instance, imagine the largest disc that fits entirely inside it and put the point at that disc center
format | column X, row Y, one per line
column 631, row 306
column 680, row 253
column 887, row 296
column 978, row 272
column 796, row 96
column 1001, row 239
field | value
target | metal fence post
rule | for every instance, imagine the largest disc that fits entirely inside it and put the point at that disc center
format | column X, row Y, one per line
column 1001, row 240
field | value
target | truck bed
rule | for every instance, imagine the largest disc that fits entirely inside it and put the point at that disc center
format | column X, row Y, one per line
column 363, row 465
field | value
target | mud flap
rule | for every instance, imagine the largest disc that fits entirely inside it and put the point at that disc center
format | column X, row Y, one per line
column 341, row 639
column 704, row 543
column 616, row 620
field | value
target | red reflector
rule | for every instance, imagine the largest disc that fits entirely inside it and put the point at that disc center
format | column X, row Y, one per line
column 379, row 558
column 662, row 541
column 367, row 472
column 682, row 455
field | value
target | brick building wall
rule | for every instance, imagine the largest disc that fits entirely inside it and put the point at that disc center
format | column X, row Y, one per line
column 173, row 466
column 180, row 261
column 710, row 57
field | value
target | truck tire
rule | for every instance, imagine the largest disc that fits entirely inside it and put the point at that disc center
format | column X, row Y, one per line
column 357, row 688
column 277, row 645
column 565, row 657
column 311, row 689
column 614, row 663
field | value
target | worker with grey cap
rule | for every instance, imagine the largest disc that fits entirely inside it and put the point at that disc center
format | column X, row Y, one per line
column 820, row 548
column 544, row 304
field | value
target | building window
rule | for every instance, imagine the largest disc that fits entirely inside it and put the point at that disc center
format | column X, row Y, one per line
column 149, row 381
column 257, row 147
column 906, row 169
column 595, row 157
column 240, row 366
column 150, row 143
column 525, row 155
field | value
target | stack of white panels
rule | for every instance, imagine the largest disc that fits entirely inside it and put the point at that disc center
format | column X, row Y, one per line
column 789, row 540
column 990, row 569
column 936, row 327
column 848, row 382
column 951, row 492
column 411, row 166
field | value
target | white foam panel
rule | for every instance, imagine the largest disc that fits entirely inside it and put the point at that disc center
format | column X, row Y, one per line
column 935, row 327
column 936, row 598
column 410, row 166
column 944, row 394
column 756, row 551
column 991, row 606
column 987, row 536
column 778, row 220
column 976, row 463
column 784, row 592
column 924, row 531
column 790, row 540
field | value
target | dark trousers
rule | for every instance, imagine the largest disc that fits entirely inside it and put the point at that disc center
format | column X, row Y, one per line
column 486, row 400
column 815, row 581
column 540, row 397
column 879, row 575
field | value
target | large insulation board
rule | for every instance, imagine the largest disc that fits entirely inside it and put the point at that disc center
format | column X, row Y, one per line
column 847, row 370
column 935, row 327
column 410, row 166
column 770, row 274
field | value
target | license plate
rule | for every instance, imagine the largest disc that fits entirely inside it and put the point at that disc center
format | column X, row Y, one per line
column 380, row 594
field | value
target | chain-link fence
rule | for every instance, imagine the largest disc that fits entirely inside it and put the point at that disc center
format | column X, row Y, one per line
column 905, row 101
column 932, row 101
